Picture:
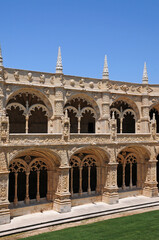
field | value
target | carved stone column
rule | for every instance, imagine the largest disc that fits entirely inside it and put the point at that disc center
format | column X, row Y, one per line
column 113, row 128
column 4, row 180
column 150, row 186
column 59, row 104
column 105, row 112
column 62, row 202
column 27, row 199
column 4, row 203
column 4, row 128
column 110, row 194
column 145, row 114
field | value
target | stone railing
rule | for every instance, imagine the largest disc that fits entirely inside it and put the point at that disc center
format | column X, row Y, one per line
column 34, row 139
column 81, row 139
column 132, row 137
column 93, row 139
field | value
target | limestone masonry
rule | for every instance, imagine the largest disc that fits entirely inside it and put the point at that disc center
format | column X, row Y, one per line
column 68, row 140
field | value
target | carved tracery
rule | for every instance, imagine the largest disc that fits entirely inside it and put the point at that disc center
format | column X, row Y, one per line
column 27, row 179
column 127, row 170
column 27, row 114
column 83, row 175
column 125, row 115
column 82, row 116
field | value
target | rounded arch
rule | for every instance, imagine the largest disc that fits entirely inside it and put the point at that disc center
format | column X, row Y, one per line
column 20, row 164
column 35, row 92
column 29, row 111
column 53, row 159
column 141, row 151
column 86, row 175
column 83, row 112
column 127, row 111
column 33, row 175
column 88, row 98
column 115, row 110
column 130, row 172
column 35, row 164
column 101, row 156
column 131, row 103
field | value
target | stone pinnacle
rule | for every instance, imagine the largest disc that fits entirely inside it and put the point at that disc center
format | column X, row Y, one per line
column 59, row 67
column 105, row 69
column 1, row 59
column 145, row 76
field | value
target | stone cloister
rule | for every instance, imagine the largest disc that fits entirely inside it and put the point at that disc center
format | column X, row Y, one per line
column 68, row 140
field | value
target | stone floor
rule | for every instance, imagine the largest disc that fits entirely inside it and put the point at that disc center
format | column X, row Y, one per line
column 51, row 218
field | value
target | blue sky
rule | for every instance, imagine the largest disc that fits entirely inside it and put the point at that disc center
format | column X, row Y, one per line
column 126, row 30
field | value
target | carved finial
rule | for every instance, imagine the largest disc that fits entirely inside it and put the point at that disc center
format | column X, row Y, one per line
column 113, row 115
column 105, row 69
column 1, row 59
column 59, row 67
column 145, row 76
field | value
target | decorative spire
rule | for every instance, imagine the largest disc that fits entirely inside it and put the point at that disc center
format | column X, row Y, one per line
column 145, row 76
column 59, row 67
column 1, row 59
column 113, row 115
column 105, row 69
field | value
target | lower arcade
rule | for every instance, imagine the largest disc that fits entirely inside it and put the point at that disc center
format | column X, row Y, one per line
column 42, row 179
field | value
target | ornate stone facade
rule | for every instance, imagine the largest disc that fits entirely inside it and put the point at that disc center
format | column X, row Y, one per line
column 67, row 140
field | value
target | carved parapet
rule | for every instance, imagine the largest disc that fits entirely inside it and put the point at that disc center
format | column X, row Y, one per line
column 110, row 193
column 150, row 185
column 62, row 202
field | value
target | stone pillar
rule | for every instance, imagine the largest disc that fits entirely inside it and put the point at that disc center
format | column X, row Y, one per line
column 62, row 202
column 113, row 128
column 105, row 112
column 145, row 114
column 4, row 180
column 110, row 194
column 150, row 186
column 4, row 203
column 59, row 104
